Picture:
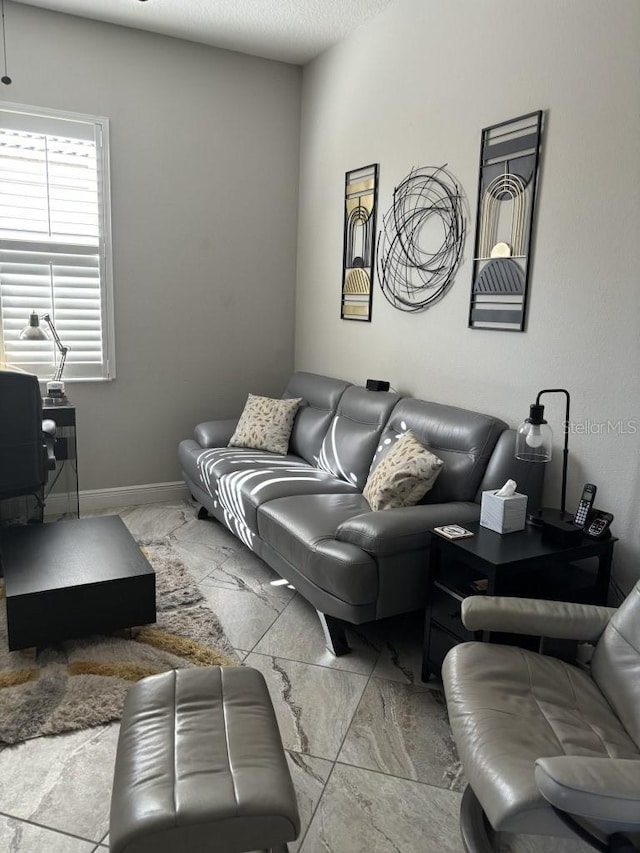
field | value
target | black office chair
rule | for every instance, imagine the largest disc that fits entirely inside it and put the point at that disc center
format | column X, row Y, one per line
column 26, row 441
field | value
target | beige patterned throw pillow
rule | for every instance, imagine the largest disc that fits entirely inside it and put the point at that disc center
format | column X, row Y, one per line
column 266, row 424
column 404, row 476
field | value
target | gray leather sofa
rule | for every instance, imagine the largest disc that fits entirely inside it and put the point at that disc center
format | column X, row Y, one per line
column 305, row 515
column 548, row 748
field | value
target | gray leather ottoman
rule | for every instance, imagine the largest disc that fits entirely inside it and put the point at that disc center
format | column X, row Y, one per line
column 200, row 766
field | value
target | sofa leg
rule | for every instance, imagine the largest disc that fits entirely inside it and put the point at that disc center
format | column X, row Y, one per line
column 202, row 513
column 334, row 634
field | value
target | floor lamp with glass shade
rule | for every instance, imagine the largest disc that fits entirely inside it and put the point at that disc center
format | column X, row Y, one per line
column 34, row 332
column 534, row 444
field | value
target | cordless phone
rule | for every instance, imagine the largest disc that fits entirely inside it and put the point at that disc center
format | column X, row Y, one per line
column 586, row 502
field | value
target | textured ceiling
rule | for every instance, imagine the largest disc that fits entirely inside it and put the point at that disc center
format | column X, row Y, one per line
column 289, row 30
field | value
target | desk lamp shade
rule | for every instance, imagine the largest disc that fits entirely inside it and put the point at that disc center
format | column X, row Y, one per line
column 34, row 332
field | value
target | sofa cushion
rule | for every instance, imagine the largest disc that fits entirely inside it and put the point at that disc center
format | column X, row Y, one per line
column 349, row 445
column 241, row 492
column 320, row 398
column 464, row 440
column 206, row 466
column 524, row 706
column 404, row 476
column 302, row 531
column 265, row 424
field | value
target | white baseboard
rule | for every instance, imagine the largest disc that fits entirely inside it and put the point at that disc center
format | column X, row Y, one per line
column 94, row 499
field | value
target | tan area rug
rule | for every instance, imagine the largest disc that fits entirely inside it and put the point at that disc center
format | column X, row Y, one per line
column 82, row 683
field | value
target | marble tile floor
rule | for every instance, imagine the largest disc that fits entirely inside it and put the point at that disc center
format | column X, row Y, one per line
column 368, row 744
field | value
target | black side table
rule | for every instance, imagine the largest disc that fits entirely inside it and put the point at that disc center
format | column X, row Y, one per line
column 518, row 564
column 61, row 490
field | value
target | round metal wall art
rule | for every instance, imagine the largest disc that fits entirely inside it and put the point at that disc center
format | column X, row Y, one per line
column 422, row 237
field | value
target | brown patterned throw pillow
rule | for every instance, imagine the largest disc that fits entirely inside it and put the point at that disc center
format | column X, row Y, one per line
column 404, row 476
column 266, row 424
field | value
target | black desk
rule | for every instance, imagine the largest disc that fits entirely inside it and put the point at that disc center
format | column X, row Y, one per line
column 504, row 564
column 74, row 578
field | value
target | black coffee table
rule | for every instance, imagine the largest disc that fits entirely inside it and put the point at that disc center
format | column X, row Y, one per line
column 74, row 578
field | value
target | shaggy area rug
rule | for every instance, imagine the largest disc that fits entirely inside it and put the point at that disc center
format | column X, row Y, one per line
column 82, row 683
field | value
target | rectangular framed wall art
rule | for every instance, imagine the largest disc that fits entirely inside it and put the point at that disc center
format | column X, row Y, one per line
column 508, row 175
column 360, row 205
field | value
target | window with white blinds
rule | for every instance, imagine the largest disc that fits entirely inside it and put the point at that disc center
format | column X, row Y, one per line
column 55, row 252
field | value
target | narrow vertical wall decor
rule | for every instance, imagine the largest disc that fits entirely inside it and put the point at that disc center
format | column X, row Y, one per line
column 360, row 203
column 509, row 158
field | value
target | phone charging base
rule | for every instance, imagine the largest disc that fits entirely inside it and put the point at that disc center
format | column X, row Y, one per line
column 557, row 527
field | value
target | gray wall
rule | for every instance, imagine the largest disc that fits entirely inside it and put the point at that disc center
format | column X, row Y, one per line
column 415, row 87
column 204, row 166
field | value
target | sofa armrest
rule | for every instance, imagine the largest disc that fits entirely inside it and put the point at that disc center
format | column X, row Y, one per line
column 600, row 789
column 560, row 620
column 395, row 531
column 215, row 433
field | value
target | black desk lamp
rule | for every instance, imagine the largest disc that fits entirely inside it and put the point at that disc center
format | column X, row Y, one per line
column 534, row 444
column 34, row 332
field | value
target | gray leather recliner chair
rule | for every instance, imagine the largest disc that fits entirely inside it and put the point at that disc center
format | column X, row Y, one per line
column 548, row 748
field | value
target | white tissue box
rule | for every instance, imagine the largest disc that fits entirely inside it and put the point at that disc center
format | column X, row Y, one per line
column 504, row 515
